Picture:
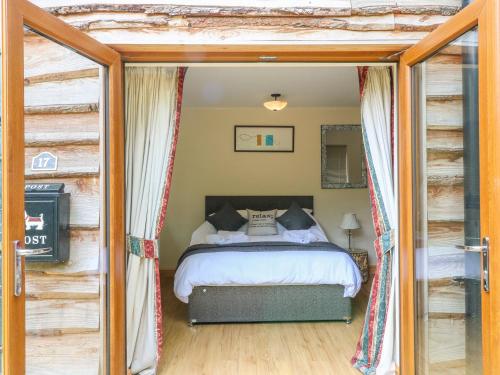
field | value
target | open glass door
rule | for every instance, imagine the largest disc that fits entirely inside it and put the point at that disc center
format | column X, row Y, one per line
column 449, row 189
column 63, row 243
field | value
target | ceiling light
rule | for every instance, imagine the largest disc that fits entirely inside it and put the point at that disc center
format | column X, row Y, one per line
column 276, row 104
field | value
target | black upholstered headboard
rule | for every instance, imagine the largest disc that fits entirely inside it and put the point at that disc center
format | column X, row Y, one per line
column 257, row 202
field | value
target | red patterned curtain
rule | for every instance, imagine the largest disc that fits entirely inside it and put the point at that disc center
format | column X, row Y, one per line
column 375, row 345
column 153, row 109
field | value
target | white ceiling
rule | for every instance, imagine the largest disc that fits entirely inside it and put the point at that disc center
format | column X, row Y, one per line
column 242, row 86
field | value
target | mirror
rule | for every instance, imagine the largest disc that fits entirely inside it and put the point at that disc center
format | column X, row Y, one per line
column 342, row 157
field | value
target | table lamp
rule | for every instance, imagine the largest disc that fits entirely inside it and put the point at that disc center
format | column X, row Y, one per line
column 350, row 222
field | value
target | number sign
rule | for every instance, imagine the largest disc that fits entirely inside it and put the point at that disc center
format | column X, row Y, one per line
column 44, row 161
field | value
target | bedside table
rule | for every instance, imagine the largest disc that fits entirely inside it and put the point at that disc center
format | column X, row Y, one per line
column 361, row 258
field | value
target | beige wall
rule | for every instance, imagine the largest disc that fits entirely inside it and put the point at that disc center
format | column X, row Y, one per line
column 207, row 165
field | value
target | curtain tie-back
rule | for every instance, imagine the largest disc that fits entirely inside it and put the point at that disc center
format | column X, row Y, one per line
column 142, row 247
column 386, row 241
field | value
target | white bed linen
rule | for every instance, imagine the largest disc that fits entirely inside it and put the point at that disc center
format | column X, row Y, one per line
column 264, row 268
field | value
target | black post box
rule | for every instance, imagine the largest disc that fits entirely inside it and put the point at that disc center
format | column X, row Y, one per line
column 46, row 219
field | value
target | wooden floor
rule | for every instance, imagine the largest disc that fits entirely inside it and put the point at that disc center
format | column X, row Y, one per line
column 265, row 348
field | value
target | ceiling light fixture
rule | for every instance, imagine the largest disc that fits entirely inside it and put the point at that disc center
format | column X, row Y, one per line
column 276, row 104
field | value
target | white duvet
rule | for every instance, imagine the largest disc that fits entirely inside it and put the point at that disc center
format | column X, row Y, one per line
column 265, row 268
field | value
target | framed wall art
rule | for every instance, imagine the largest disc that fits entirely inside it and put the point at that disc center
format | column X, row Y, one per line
column 258, row 138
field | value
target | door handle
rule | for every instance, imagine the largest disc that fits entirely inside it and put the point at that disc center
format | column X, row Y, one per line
column 471, row 249
column 18, row 274
column 484, row 249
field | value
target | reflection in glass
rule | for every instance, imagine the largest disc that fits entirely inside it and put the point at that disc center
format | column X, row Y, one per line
column 65, row 298
column 448, row 280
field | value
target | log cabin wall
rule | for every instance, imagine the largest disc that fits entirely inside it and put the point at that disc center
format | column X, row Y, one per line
column 62, row 116
column 266, row 21
column 442, row 289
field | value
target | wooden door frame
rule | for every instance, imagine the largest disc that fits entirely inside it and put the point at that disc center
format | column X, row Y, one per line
column 486, row 14
column 243, row 53
column 16, row 14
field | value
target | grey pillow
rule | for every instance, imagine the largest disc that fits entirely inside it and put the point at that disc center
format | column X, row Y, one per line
column 295, row 218
column 227, row 218
column 262, row 223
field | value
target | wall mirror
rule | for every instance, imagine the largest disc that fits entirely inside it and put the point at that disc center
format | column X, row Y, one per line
column 342, row 157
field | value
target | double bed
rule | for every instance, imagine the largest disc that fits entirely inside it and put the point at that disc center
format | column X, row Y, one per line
column 291, row 276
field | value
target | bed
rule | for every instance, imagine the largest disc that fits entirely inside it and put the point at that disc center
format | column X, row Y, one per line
column 283, row 282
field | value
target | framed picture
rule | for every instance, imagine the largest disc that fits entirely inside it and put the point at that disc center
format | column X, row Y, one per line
column 254, row 138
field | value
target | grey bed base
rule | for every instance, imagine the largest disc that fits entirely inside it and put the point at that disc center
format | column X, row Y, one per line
column 283, row 303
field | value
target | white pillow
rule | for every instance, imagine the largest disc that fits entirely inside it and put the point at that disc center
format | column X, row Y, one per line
column 244, row 213
column 262, row 223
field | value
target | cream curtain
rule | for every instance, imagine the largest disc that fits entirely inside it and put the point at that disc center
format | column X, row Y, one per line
column 376, row 351
column 153, row 96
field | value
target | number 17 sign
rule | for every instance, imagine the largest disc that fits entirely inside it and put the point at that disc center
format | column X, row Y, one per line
column 44, row 161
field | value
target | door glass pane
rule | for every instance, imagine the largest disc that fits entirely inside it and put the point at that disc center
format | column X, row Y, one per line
column 64, row 209
column 448, row 279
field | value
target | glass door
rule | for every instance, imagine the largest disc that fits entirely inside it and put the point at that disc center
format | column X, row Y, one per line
column 449, row 190
column 61, row 303
column 447, row 210
column 65, row 201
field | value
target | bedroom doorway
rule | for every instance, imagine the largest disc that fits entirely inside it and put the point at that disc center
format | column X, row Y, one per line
column 215, row 99
column 481, row 13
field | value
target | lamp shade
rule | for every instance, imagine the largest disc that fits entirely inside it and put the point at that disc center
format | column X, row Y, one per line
column 276, row 104
column 350, row 221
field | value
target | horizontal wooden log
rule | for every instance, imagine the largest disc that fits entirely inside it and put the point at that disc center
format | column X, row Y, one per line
column 444, row 167
column 446, row 340
column 62, row 76
column 445, row 203
column 84, row 256
column 421, row 22
column 444, row 76
column 252, row 35
column 445, row 234
column 78, row 187
column 86, row 122
column 447, row 298
column 40, row 285
column 374, row 23
column 456, row 366
column 60, row 316
column 61, row 109
column 61, row 139
column 444, row 114
column 372, row 7
column 73, row 91
column 261, row 8
column 357, row 22
column 70, row 172
column 336, row 8
column 75, row 354
column 44, row 57
column 69, row 157
column 445, row 140
column 443, row 7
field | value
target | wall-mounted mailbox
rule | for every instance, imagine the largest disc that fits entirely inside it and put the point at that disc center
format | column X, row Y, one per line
column 46, row 219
